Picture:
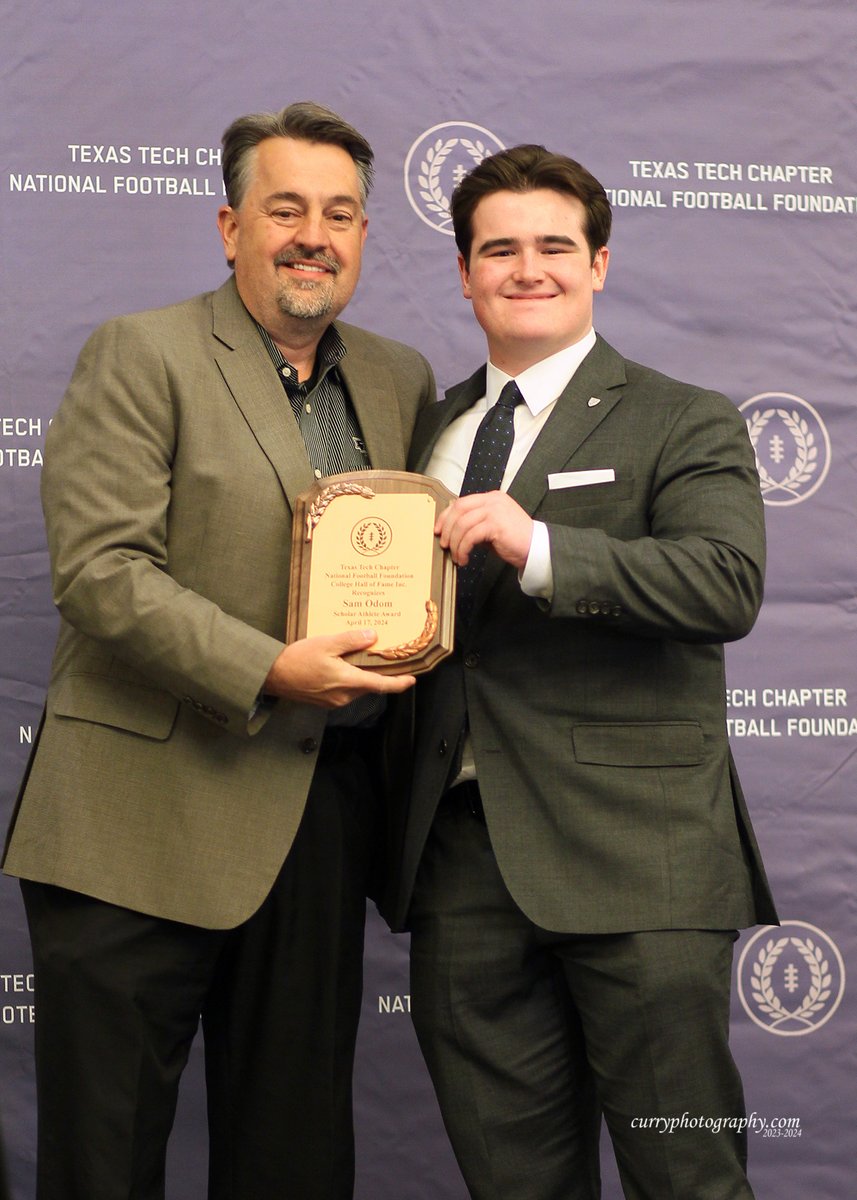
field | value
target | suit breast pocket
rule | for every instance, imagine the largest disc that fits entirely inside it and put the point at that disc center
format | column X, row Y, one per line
column 559, row 501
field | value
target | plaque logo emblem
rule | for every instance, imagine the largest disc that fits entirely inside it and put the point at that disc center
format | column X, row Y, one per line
column 792, row 446
column 791, row 978
column 371, row 536
column 437, row 161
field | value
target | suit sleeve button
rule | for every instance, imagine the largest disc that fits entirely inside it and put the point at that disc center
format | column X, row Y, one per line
column 582, row 607
column 442, row 747
column 594, row 607
column 616, row 611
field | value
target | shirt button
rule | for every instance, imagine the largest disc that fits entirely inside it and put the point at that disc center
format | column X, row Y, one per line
column 309, row 408
column 286, row 372
column 317, row 473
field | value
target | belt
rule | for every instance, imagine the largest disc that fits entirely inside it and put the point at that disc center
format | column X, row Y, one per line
column 465, row 797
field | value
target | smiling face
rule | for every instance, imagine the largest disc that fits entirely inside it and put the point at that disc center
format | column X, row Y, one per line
column 531, row 275
column 297, row 238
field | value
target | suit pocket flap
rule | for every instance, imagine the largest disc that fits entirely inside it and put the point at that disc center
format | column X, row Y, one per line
column 639, row 744
column 116, row 702
column 559, row 499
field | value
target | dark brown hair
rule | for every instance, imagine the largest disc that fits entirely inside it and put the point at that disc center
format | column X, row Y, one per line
column 524, row 169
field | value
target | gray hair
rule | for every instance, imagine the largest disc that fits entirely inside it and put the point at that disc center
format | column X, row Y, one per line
column 305, row 121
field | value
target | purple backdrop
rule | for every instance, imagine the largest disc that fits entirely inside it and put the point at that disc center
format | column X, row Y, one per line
column 726, row 134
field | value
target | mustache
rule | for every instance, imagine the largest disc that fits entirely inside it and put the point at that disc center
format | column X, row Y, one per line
column 297, row 254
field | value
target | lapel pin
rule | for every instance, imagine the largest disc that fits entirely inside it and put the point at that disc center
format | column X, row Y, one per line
column 593, row 400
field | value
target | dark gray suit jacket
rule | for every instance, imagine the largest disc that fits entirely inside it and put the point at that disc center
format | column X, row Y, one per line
column 598, row 721
column 170, row 475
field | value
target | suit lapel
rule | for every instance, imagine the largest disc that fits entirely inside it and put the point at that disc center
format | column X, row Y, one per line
column 246, row 368
column 435, row 417
column 373, row 394
column 592, row 393
column 600, row 377
column 247, row 371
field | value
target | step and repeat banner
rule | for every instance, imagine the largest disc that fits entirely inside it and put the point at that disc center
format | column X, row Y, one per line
column 725, row 135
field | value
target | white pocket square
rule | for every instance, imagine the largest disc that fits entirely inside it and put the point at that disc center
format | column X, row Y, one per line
column 569, row 479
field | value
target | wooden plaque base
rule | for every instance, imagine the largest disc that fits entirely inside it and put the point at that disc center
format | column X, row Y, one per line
column 364, row 556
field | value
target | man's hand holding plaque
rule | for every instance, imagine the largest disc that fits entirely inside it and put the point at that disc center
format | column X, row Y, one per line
column 365, row 556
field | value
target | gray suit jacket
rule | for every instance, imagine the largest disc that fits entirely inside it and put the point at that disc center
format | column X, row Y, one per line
column 598, row 721
column 170, row 474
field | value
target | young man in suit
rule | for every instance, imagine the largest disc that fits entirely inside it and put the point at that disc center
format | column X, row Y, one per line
column 195, row 832
column 577, row 854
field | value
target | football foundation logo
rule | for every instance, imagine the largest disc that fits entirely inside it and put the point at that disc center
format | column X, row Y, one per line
column 791, row 978
column 371, row 536
column 792, row 446
column 437, row 161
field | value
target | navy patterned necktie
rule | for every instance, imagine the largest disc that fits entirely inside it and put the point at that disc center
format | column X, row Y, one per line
column 485, row 469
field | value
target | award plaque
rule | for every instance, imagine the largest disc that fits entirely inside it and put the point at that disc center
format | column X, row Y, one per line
column 365, row 556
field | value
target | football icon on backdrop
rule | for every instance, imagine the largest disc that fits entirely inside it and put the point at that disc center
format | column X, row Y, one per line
column 791, row 443
column 791, row 978
column 437, row 161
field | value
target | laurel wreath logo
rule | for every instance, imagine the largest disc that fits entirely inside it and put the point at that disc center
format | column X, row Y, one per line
column 428, row 179
column 316, row 510
column 820, row 980
column 380, row 540
column 406, row 649
column 806, row 451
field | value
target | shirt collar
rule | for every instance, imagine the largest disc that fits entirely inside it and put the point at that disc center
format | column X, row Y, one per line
column 544, row 381
column 329, row 352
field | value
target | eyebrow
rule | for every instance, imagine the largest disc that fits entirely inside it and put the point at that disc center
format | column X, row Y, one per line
column 297, row 198
column 547, row 239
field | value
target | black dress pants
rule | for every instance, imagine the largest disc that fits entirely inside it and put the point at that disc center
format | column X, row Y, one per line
column 119, row 996
column 516, row 1022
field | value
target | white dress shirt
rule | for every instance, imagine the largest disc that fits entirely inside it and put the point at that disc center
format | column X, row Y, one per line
column 540, row 385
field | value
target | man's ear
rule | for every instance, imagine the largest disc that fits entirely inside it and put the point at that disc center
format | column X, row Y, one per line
column 227, row 223
column 599, row 268
column 465, row 277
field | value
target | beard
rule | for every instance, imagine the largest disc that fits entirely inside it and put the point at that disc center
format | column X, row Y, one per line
column 307, row 300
